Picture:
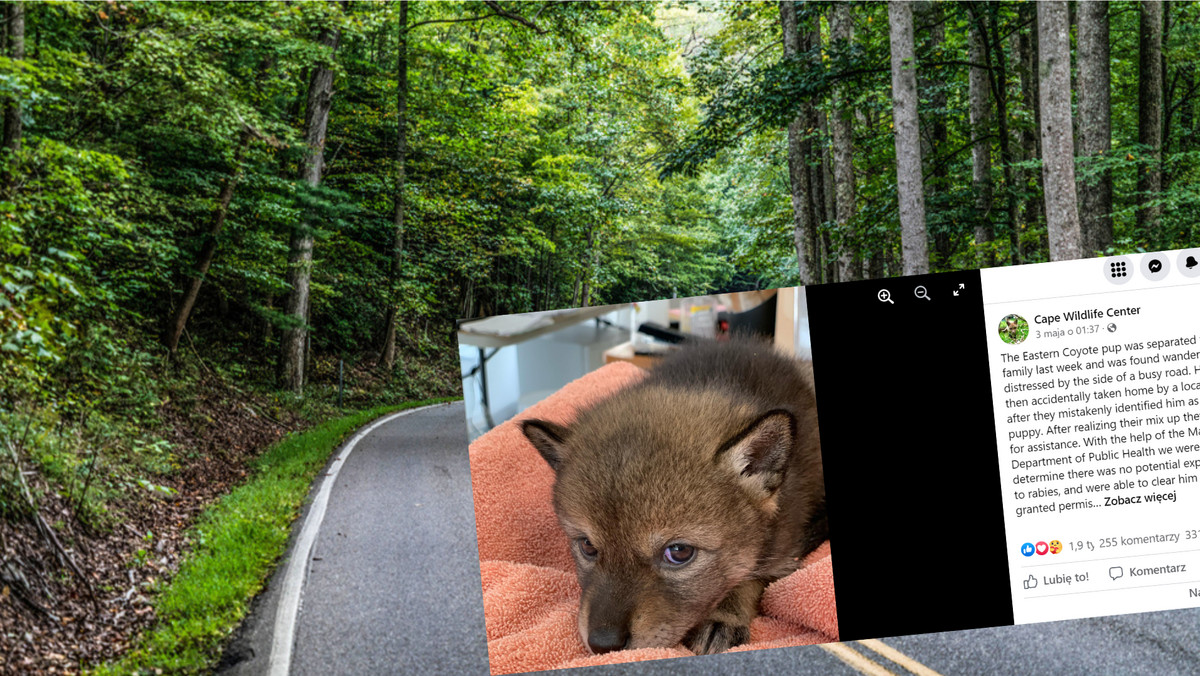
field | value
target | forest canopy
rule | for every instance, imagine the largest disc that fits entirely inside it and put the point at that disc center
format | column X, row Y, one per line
column 483, row 157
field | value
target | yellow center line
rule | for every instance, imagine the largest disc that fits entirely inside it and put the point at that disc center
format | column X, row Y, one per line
column 898, row 657
column 855, row 659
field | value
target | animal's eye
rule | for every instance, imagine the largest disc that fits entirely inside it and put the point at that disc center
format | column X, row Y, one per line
column 589, row 550
column 678, row 553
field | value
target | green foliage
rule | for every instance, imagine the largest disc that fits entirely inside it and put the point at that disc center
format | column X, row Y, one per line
column 530, row 175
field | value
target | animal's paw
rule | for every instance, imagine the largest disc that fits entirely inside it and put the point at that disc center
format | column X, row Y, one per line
column 716, row 637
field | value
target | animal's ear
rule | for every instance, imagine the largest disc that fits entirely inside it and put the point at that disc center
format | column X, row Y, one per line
column 549, row 439
column 759, row 454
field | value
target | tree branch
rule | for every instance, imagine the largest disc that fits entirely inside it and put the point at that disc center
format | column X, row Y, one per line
column 461, row 20
column 1174, row 107
column 528, row 23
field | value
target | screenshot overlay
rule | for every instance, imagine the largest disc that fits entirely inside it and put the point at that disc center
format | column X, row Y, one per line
column 904, row 403
column 999, row 447
column 1012, row 445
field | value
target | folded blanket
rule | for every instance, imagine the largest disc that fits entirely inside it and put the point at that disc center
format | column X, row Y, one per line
column 530, row 593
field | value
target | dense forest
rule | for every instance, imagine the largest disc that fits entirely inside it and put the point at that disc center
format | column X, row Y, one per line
column 208, row 209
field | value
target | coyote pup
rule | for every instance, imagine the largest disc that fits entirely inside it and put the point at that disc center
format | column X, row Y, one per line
column 684, row 495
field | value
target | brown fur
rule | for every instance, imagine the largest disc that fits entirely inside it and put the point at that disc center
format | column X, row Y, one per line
column 717, row 450
column 1014, row 330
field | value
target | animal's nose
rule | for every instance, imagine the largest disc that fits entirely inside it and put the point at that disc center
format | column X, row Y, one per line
column 607, row 639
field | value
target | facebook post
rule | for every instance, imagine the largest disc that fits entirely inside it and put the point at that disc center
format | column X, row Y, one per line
column 1096, row 396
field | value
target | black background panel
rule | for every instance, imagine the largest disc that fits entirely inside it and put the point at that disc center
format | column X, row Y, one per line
column 909, row 445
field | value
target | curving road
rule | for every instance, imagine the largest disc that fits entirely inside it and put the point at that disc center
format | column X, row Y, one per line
column 392, row 587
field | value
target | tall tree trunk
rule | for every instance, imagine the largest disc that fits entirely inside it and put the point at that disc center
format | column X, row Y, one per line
column 994, row 52
column 931, row 14
column 1095, row 127
column 876, row 252
column 209, row 249
column 979, row 89
column 822, row 180
column 830, row 197
column 387, row 357
column 16, row 51
column 850, row 266
column 1150, row 105
column 813, row 176
column 827, row 198
column 300, row 254
column 875, row 266
column 1168, row 96
column 915, row 250
column 803, row 214
column 1030, row 142
column 1058, row 159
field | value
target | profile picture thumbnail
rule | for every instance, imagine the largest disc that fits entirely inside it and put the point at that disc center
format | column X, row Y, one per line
column 1014, row 329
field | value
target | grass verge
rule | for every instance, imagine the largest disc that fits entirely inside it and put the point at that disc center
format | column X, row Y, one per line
column 235, row 544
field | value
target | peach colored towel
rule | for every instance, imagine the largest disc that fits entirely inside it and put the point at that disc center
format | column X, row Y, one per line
column 530, row 594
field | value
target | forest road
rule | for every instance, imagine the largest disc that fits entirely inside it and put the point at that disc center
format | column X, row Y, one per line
column 393, row 575
column 393, row 587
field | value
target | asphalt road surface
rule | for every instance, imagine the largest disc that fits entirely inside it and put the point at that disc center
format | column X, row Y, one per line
column 393, row 588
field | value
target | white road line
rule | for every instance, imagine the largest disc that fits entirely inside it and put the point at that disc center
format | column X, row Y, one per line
column 280, row 661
